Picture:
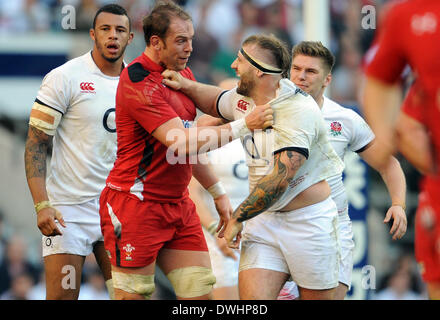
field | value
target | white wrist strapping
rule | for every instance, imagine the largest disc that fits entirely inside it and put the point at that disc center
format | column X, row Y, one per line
column 212, row 228
column 216, row 190
column 239, row 128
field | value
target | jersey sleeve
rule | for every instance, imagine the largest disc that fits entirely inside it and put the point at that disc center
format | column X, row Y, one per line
column 55, row 91
column 296, row 127
column 225, row 104
column 411, row 105
column 146, row 104
column 362, row 134
column 389, row 60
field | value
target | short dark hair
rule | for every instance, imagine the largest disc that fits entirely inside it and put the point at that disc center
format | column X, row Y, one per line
column 158, row 21
column 114, row 9
column 276, row 47
column 315, row 49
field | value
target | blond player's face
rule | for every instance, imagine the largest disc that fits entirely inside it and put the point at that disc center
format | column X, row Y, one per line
column 246, row 72
column 309, row 74
column 111, row 35
column 176, row 48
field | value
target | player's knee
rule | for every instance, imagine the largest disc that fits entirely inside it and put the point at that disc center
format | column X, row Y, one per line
column 192, row 282
column 110, row 289
column 132, row 284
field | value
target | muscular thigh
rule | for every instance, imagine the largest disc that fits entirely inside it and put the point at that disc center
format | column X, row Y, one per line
column 260, row 284
column 63, row 276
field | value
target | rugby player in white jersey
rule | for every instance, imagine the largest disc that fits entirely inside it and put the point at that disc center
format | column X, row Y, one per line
column 74, row 110
column 290, row 218
column 347, row 131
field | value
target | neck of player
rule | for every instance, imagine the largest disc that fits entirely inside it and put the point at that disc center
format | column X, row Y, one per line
column 112, row 69
column 265, row 91
column 319, row 100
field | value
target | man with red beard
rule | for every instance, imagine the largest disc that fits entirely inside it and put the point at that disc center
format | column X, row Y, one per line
column 75, row 108
column 288, row 222
column 147, row 216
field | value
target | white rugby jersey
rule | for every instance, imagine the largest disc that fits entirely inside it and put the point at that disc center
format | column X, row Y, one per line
column 347, row 131
column 229, row 165
column 298, row 124
column 84, row 145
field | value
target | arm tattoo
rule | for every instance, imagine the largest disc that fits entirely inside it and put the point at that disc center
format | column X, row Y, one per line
column 37, row 145
column 271, row 187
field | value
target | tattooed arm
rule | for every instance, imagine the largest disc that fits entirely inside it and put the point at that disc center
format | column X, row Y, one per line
column 268, row 190
column 37, row 145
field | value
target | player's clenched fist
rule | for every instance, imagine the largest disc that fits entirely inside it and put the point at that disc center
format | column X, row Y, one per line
column 46, row 221
column 260, row 118
column 173, row 79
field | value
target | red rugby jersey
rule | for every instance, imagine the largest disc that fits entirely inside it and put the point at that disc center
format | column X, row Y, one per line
column 411, row 35
column 143, row 104
column 411, row 107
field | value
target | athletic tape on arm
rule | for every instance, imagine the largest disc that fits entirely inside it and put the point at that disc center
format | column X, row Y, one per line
column 44, row 118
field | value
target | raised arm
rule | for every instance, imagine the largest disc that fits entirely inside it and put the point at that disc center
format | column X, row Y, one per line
column 190, row 141
column 204, row 96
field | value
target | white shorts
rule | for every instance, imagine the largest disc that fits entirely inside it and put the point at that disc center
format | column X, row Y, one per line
column 345, row 236
column 302, row 243
column 225, row 269
column 80, row 234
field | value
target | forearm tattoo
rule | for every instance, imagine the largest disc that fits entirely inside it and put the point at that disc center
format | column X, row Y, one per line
column 37, row 145
column 271, row 187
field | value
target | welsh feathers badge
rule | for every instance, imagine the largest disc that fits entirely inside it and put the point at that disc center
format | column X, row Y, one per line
column 335, row 128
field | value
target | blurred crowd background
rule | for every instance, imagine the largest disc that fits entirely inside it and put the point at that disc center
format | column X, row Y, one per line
column 33, row 41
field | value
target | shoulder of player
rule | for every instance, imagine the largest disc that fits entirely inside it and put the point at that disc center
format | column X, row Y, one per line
column 135, row 72
column 332, row 108
column 401, row 10
column 70, row 70
column 75, row 65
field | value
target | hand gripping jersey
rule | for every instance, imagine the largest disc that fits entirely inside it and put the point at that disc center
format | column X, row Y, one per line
column 298, row 126
column 143, row 104
column 346, row 131
column 84, row 145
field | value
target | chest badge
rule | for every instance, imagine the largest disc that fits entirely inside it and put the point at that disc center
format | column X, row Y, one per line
column 335, row 129
column 242, row 105
column 87, row 87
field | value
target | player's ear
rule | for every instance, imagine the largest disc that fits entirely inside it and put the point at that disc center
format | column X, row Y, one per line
column 327, row 80
column 130, row 37
column 92, row 34
column 155, row 42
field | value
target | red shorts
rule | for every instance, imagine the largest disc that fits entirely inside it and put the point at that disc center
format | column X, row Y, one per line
column 134, row 231
column 427, row 238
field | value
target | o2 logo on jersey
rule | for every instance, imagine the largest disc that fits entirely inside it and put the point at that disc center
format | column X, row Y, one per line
column 240, row 170
column 187, row 124
column 109, row 118
column 259, row 146
column 250, row 147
